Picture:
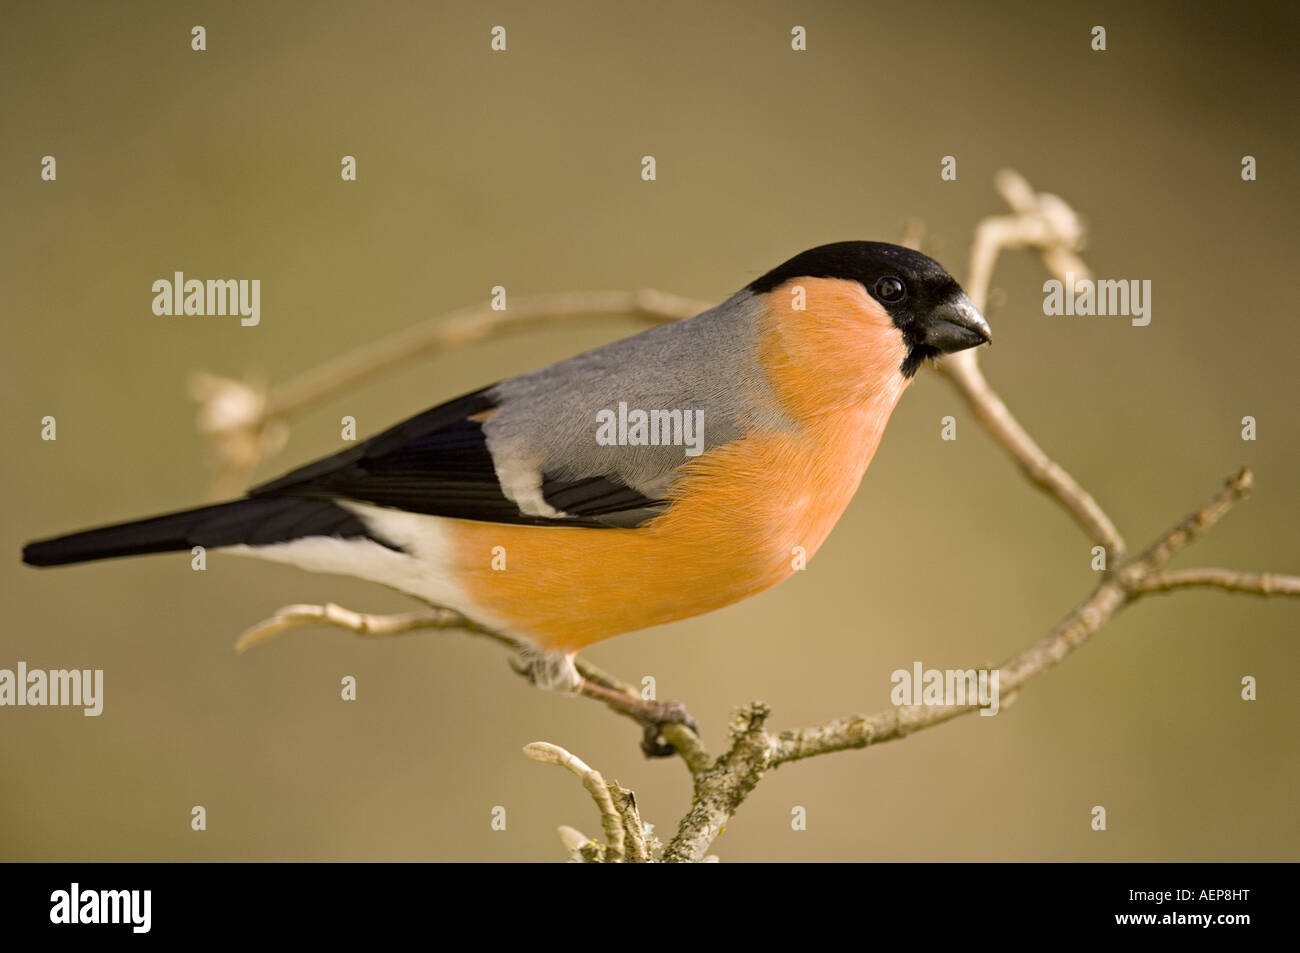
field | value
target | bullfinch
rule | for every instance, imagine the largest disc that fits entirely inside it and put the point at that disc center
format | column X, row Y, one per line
column 652, row 479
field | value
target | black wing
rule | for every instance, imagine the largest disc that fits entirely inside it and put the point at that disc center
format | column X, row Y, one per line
column 438, row 463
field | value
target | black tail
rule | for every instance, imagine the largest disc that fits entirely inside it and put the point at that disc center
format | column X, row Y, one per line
column 257, row 522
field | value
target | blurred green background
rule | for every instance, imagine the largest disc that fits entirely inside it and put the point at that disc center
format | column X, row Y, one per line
column 522, row 169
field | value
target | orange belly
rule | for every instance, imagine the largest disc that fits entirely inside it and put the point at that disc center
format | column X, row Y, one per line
column 742, row 516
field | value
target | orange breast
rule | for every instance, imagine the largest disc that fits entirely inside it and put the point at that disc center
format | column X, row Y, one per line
column 741, row 515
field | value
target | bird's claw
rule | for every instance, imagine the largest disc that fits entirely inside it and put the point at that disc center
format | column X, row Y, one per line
column 664, row 713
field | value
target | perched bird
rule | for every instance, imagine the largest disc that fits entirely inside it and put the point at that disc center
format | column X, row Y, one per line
column 652, row 479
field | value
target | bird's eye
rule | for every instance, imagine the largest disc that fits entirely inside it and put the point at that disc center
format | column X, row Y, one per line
column 890, row 289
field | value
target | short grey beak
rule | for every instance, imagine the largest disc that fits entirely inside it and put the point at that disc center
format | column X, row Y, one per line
column 956, row 325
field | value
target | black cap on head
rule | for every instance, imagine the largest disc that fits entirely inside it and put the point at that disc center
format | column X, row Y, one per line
column 924, row 301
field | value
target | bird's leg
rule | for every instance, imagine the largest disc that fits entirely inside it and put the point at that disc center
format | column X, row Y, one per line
column 559, row 671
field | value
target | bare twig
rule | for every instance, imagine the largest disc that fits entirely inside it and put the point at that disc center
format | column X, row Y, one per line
column 634, row 830
column 1255, row 583
column 612, row 817
column 1114, row 592
column 722, row 789
column 1047, row 224
column 369, row 626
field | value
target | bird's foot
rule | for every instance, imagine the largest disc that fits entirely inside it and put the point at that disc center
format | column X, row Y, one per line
column 654, row 716
column 557, row 671
column 666, row 713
